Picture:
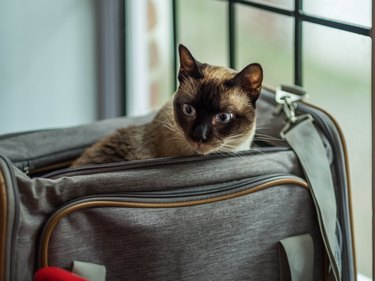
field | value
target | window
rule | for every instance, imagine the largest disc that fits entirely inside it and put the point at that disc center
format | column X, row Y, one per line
column 61, row 63
column 47, row 64
column 150, row 73
column 327, row 49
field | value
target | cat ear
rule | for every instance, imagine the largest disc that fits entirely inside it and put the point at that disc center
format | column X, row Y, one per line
column 189, row 66
column 250, row 79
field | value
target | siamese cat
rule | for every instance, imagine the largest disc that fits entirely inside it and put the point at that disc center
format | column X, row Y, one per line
column 212, row 111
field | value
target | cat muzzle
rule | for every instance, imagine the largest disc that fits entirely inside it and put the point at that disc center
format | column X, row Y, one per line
column 201, row 133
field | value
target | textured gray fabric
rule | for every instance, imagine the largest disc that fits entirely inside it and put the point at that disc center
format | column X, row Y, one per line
column 305, row 141
column 299, row 254
column 41, row 196
column 234, row 239
column 40, row 148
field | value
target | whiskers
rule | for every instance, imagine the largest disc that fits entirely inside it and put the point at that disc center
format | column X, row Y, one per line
column 258, row 150
column 234, row 145
column 169, row 123
column 266, row 137
column 270, row 140
column 228, row 149
column 262, row 137
column 265, row 127
column 234, row 137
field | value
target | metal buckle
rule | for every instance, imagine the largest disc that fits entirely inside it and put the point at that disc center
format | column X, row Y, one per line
column 288, row 97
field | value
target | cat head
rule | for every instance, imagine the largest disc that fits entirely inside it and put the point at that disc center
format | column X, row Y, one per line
column 215, row 106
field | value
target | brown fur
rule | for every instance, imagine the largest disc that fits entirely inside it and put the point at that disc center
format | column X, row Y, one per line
column 210, row 90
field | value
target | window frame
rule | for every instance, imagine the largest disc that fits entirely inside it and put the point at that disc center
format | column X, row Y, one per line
column 300, row 17
column 111, row 55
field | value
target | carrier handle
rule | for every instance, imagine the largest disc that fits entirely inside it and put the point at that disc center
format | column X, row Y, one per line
column 296, row 258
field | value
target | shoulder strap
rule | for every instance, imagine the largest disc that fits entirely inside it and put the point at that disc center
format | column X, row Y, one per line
column 305, row 140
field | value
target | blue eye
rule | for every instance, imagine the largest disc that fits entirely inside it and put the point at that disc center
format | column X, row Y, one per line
column 188, row 110
column 224, row 117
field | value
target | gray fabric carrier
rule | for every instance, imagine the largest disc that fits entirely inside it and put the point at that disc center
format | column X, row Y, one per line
column 219, row 217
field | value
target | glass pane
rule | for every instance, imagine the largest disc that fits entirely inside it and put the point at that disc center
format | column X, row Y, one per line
column 337, row 68
column 149, row 55
column 160, row 52
column 266, row 38
column 353, row 11
column 47, row 64
column 286, row 4
column 203, row 29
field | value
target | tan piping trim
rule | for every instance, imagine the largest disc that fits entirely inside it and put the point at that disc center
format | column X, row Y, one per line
column 3, row 225
column 348, row 179
column 45, row 240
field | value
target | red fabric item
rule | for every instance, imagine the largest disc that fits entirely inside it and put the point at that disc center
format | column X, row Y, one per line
column 56, row 274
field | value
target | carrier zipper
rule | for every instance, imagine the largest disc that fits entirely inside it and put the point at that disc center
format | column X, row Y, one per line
column 193, row 192
column 128, row 165
column 49, row 167
column 160, row 200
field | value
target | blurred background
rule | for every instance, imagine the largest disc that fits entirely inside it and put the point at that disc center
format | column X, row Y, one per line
column 64, row 63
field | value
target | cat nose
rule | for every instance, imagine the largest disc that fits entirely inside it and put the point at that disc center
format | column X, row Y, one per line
column 201, row 133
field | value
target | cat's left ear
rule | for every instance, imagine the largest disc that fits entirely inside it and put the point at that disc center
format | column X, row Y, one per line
column 250, row 79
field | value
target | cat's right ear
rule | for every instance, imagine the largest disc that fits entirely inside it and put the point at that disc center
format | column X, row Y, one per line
column 189, row 66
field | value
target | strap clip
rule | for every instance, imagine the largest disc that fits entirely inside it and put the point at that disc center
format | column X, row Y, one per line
column 288, row 97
